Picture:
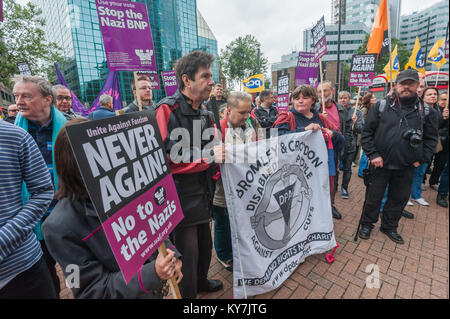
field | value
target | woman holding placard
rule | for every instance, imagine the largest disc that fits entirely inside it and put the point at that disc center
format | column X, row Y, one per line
column 76, row 240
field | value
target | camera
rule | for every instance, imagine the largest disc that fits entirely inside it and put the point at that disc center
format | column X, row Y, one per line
column 414, row 137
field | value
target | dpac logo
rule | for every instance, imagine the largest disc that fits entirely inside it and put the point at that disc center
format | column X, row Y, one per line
column 276, row 221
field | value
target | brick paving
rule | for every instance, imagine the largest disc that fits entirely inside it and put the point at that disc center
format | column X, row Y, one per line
column 416, row 270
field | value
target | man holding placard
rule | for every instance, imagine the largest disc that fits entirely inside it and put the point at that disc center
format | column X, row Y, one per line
column 187, row 128
column 350, row 140
column 145, row 92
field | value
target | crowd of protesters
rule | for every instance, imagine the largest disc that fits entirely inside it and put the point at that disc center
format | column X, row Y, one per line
column 393, row 141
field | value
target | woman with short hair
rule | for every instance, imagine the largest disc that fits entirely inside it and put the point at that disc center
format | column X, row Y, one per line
column 303, row 117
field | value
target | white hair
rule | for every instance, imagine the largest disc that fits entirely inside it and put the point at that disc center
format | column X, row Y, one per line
column 235, row 97
column 104, row 99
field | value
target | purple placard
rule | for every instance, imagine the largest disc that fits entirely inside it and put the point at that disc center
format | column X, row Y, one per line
column 126, row 35
column 320, row 49
column 307, row 70
column 362, row 70
column 361, row 78
column 319, row 39
column 154, row 216
column 170, row 82
column 153, row 77
column 283, row 102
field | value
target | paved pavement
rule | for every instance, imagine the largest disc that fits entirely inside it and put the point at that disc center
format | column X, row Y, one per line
column 416, row 270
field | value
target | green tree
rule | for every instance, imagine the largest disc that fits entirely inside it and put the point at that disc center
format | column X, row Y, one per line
column 22, row 39
column 403, row 54
column 239, row 59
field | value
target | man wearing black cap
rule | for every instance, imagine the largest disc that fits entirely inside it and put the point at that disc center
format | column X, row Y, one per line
column 400, row 133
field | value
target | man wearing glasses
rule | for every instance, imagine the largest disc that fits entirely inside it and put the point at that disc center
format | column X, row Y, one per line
column 64, row 101
column 12, row 113
column 145, row 93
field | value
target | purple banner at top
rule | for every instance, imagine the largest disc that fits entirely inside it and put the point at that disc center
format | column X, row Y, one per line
column 112, row 88
column 77, row 106
column 170, row 82
column 307, row 70
column 126, row 35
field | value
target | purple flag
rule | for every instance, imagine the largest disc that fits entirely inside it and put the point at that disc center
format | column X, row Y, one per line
column 170, row 82
column 77, row 106
column 126, row 35
column 1, row 10
column 307, row 70
column 112, row 88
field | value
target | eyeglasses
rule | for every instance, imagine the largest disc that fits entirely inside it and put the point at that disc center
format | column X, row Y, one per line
column 60, row 98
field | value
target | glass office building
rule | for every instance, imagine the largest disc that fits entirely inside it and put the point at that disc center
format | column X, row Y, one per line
column 74, row 26
column 416, row 25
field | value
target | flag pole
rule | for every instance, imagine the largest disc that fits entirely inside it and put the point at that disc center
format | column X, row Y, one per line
column 390, row 42
column 324, row 112
column 356, row 105
column 437, row 78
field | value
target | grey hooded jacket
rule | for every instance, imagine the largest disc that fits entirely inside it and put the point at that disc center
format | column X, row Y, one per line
column 75, row 238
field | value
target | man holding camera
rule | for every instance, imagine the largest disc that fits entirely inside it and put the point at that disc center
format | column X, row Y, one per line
column 400, row 134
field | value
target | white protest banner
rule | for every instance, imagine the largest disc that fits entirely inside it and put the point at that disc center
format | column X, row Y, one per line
column 279, row 207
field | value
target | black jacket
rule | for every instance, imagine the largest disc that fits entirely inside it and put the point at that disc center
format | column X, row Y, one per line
column 352, row 131
column 74, row 236
column 383, row 133
column 192, row 171
column 265, row 119
column 443, row 125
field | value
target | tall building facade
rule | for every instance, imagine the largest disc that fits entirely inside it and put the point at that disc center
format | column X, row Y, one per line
column 74, row 26
column 365, row 11
column 416, row 25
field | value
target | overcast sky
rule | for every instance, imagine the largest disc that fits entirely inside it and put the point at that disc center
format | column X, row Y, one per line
column 277, row 24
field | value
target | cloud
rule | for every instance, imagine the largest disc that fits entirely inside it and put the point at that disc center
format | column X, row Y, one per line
column 277, row 24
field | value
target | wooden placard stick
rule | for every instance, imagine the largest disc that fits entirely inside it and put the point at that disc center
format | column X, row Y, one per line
column 324, row 112
column 172, row 281
column 356, row 105
column 138, row 97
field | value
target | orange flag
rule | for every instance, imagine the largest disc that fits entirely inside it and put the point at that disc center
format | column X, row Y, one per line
column 379, row 37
